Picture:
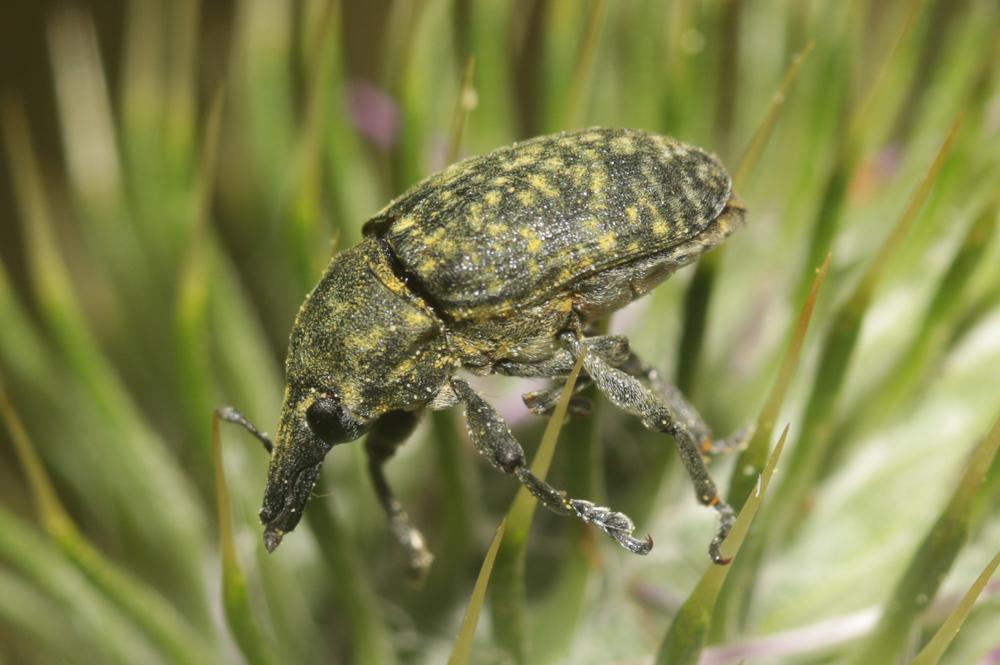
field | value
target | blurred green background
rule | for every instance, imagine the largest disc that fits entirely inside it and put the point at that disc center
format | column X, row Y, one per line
column 171, row 178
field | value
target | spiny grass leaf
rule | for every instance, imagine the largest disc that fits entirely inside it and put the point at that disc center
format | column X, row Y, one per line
column 159, row 620
column 461, row 651
column 193, row 301
column 108, row 634
column 933, row 650
column 838, row 348
column 849, row 151
column 146, row 477
column 751, row 461
column 464, row 103
column 507, row 593
column 688, row 632
column 699, row 293
column 235, row 599
column 934, row 557
column 735, row 602
column 583, row 64
column 507, row 596
column 933, row 331
column 307, row 232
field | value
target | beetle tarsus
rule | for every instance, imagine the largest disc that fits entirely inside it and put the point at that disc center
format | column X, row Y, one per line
column 726, row 519
column 617, row 525
column 493, row 439
column 658, row 414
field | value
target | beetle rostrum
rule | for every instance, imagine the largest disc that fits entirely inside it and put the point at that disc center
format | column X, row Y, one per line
column 500, row 264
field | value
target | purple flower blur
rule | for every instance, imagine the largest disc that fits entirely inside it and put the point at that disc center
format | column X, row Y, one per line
column 373, row 113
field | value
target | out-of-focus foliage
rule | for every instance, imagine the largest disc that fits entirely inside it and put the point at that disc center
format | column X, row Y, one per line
column 210, row 167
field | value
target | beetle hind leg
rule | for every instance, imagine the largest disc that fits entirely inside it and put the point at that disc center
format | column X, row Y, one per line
column 385, row 437
column 662, row 413
column 493, row 439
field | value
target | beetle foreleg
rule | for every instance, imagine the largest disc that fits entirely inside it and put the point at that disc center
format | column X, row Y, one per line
column 389, row 433
column 493, row 439
column 656, row 413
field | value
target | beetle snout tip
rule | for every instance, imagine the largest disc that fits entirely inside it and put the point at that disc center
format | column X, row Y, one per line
column 272, row 538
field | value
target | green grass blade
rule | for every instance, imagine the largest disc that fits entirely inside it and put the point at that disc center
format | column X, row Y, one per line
column 465, row 102
column 933, row 650
column 688, row 632
column 584, row 64
column 507, row 595
column 735, row 601
column 849, row 151
column 934, row 557
column 305, row 210
column 370, row 641
column 814, row 442
column 934, row 331
column 107, row 633
column 191, row 307
column 461, row 651
column 751, row 460
column 159, row 620
column 235, row 599
column 751, row 155
column 698, row 297
column 145, row 477
column 405, row 86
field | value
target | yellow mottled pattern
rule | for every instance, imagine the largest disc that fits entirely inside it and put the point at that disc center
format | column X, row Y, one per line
column 623, row 145
column 542, row 184
column 598, row 187
column 540, row 214
column 405, row 222
column 526, row 197
column 607, row 242
column 552, row 164
column 534, row 242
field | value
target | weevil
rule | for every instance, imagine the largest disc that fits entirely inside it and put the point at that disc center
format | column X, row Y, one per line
column 500, row 264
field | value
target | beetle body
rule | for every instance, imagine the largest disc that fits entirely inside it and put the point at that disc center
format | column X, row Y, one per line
column 485, row 266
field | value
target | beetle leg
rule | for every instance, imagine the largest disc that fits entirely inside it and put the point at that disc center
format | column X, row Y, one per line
column 493, row 439
column 657, row 414
column 685, row 411
column 613, row 348
column 388, row 433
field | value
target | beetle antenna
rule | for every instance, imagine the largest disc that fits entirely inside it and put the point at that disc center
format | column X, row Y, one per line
column 231, row 415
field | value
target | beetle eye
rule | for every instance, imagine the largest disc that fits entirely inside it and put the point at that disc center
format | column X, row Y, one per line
column 330, row 422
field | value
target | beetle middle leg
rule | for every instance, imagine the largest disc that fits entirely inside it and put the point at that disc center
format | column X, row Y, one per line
column 613, row 348
column 493, row 439
column 685, row 411
column 614, row 351
column 659, row 415
column 388, row 433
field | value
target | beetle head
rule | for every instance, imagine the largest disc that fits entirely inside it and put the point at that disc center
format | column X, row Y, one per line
column 312, row 422
column 359, row 349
